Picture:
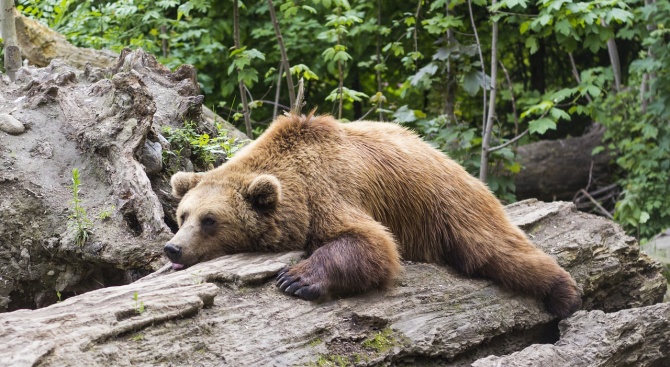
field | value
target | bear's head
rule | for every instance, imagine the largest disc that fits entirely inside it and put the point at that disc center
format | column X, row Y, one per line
column 222, row 214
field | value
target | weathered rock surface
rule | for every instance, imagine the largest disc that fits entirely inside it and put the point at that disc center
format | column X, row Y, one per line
column 229, row 312
column 41, row 45
column 99, row 121
column 637, row 337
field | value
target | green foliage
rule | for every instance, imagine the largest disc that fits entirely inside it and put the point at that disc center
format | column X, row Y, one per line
column 642, row 143
column 204, row 149
column 78, row 219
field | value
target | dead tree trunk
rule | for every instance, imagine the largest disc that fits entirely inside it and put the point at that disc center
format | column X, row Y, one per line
column 8, row 31
column 228, row 311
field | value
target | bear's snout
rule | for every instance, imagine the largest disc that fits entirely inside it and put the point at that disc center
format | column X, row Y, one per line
column 173, row 252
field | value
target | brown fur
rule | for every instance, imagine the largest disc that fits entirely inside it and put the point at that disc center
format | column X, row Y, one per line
column 358, row 197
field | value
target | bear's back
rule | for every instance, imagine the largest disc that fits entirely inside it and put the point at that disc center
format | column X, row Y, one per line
column 421, row 195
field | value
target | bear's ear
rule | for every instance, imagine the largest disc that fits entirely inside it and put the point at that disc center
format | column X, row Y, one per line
column 181, row 182
column 264, row 192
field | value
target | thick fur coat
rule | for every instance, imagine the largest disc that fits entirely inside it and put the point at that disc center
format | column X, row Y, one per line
column 358, row 197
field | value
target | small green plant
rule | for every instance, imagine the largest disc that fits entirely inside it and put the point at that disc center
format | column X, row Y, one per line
column 107, row 213
column 137, row 337
column 137, row 304
column 58, row 295
column 78, row 219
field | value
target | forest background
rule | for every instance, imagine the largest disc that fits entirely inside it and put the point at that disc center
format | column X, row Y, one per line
column 474, row 78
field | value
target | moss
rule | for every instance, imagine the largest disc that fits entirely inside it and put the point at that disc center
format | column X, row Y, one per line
column 381, row 342
column 315, row 342
column 332, row 361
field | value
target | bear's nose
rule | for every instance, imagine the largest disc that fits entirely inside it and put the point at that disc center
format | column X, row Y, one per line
column 173, row 252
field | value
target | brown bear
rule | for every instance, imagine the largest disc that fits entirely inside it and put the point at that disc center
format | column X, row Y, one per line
column 358, row 197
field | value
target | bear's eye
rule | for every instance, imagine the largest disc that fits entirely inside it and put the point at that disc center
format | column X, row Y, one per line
column 208, row 222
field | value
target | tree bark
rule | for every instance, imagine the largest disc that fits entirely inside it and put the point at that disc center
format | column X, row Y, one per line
column 12, row 53
column 228, row 311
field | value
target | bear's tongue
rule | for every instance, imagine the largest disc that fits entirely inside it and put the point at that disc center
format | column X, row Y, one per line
column 176, row 266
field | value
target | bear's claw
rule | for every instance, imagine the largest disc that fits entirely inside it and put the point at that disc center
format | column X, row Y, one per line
column 295, row 285
column 308, row 293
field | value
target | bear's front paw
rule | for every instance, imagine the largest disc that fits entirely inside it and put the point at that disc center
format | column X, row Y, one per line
column 293, row 282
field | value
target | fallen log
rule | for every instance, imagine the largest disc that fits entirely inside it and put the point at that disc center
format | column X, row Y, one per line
column 229, row 312
column 558, row 169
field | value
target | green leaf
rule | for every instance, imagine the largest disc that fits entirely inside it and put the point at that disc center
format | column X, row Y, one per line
column 473, row 80
column 524, row 27
column 540, row 126
column 404, row 115
column 532, row 45
column 254, row 54
column 422, row 77
column 644, row 217
column 309, row 9
column 559, row 114
column 248, row 76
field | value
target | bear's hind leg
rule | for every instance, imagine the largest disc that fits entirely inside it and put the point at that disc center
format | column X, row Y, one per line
column 361, row 257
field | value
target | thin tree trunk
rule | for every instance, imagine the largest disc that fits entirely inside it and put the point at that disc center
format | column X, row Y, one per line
column 379, row 60
column 450, row 100
column 486, row 141
column 164, row 41
column 284, row 57
column 511, row 93
column 614, row 59
column 340, row 74
column 243, row 94
column 481, row 59
column 278, row 91
column 647, row 79
column 12, row 60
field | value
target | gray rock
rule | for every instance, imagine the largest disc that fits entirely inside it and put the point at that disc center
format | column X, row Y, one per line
column 11, row 125
column 637, row 337
column 151, row 157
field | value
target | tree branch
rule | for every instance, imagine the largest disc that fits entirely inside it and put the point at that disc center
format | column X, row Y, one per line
column 284, row 57
column 481, row 59
column 514, row 140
